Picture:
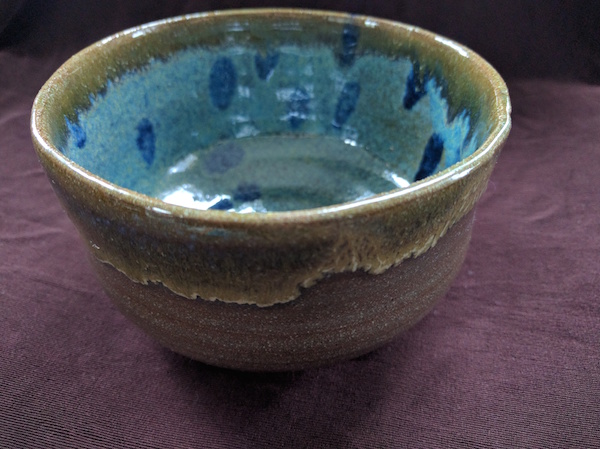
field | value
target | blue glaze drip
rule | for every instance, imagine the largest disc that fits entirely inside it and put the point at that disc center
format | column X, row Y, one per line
column 222, row 83
column 431, row 156
column 415, row 87
column 224, row 157
column 298, row 107
column 146, row 140
column 265, row 66
column 77, row 132
column 350, row 36
column 223, row 204
column 246, row 192
column 346, row 103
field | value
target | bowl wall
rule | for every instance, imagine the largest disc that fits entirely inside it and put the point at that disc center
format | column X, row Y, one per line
column 344, row 316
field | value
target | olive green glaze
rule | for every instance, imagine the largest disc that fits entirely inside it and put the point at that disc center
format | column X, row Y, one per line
column 151, row 254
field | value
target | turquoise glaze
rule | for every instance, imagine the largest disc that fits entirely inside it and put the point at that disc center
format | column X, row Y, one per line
column 251, row 129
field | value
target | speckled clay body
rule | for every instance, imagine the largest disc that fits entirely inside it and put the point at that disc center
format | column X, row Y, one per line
column 273, row 189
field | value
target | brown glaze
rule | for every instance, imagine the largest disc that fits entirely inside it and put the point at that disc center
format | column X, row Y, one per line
column 343, row 316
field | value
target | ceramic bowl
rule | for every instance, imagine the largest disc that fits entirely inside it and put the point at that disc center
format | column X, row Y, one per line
column 273, row 189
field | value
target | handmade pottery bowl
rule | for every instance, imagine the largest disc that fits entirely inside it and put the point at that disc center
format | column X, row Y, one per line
column 273, row 189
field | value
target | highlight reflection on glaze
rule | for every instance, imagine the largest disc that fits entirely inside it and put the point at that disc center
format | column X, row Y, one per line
column 277, row 173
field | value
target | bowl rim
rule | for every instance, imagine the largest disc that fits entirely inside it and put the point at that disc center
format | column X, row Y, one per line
column 428, row 186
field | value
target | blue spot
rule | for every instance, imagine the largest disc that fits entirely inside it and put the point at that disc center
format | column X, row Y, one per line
column 77, row 132
column 431, row 156
column 222, row 83
column 266, row 65
column 222, row 204
column 350, row 37
column 246, row 192
column 346, row 103
column 224, row 157
column 146, row 140
column 298, row 107
column 415, row 87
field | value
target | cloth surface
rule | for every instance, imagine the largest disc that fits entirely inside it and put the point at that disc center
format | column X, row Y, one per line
column 510, row 358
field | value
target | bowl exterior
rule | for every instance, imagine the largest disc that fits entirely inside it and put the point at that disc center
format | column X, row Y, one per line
column 343, row 316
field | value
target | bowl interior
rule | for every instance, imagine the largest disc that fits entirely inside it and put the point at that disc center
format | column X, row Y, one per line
column 271, row 112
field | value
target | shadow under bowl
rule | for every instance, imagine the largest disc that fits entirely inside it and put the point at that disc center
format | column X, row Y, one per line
column 273, row 189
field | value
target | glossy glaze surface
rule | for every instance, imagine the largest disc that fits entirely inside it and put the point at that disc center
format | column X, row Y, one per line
column 261, row 258
column 237, row 109
column 275, row 173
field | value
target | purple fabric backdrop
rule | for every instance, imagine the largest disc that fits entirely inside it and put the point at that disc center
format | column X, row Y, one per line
column 510, row 358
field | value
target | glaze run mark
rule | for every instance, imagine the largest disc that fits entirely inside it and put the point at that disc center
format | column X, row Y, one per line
column 415, row 87
column 265, row 65
column 77, row 132
column 246, row 192
column 146, row 140
column 224, row 157
column 222, row 83
column 298, row 107
column 350, row 36
column 431, row 156
column 346, row 103
column 222, row 204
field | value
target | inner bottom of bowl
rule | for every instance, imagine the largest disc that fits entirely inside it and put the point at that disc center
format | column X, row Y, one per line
column 256, row 129
column 276, row 173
